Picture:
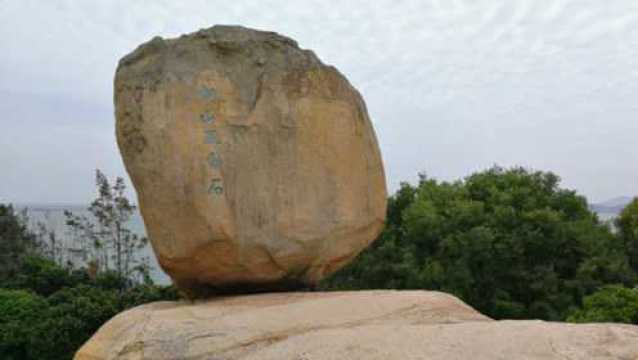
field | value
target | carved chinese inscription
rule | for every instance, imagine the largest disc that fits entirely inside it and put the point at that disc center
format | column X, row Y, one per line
column 211, row 137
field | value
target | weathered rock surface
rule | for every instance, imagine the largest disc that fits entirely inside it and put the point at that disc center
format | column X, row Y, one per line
column 255, row 164
column 346, row 325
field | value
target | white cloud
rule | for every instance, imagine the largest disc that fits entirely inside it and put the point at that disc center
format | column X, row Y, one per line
column 452, row 86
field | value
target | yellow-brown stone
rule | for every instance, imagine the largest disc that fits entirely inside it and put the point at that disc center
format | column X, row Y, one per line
column 365, row 325
column 256, row 165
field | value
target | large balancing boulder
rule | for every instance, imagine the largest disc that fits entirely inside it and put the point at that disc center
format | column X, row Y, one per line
column 256, row 165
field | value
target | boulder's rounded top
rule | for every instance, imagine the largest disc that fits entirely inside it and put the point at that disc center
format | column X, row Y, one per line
column 222, row 38
column 240, row 34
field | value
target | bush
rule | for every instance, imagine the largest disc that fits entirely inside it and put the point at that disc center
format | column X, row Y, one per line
column 627, row 225
column 43, row 276
column 143, row 294
column 20, row 311
column 613, row 303
column 15, row 240
column 111, row 280
column 72, row 316
column 58, row 309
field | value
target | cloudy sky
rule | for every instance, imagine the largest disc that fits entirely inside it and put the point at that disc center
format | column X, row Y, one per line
column 452, row 86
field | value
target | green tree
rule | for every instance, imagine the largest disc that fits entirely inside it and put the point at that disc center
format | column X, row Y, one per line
column 43, row 276
column 108, row 240
column 612, row 303
column 627, row 225
column 71, row 317
column 510, row 242
column 49, row 245
column 388, row 263
column 16, row 241
column 50, row 311
column 19, row 311
column 47, row 311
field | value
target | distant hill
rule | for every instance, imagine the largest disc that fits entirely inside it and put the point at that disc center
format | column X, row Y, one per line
column 611, row 207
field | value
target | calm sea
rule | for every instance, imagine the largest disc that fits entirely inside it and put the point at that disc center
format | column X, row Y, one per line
column 52, row 216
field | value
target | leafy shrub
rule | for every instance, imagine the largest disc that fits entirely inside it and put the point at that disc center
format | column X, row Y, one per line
column 612, row 303
column 20, row 311
column 58, row 309
column 143, row 294
column 43, row 276
column 15, row 240
column 627, row 225
column 111, row 280
column 72, row 316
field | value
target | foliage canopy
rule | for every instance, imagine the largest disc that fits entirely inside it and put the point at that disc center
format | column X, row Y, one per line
column 613, row 303
column 510, row 242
